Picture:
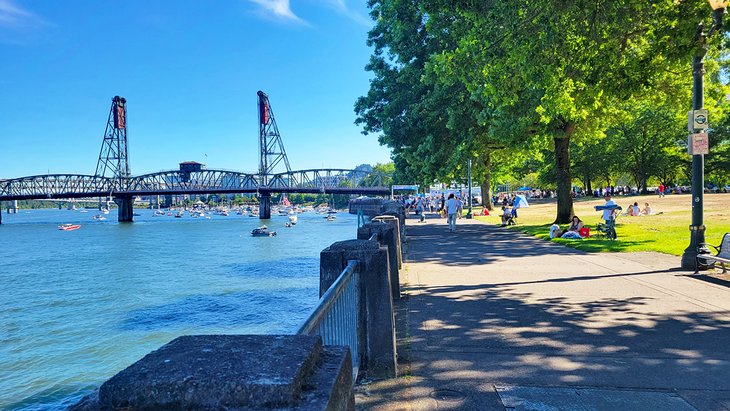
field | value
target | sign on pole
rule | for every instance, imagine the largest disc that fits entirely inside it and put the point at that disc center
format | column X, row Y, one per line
column 700, row 120
column 699, row 143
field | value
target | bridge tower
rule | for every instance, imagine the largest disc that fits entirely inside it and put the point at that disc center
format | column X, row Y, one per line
column 271, row 151
column 113, row 158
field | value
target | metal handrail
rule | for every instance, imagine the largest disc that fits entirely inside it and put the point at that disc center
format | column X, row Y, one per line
column 373, row 237
column 335, row 318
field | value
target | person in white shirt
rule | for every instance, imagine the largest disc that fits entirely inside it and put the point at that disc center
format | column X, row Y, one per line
column 647, row 209
column 453, row 207
column 506, row 214
column 608, row 215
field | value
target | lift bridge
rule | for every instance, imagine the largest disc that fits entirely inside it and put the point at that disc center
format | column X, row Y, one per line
column 113, row 178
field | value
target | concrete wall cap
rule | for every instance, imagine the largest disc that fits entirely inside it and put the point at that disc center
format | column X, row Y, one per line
column 363, row 245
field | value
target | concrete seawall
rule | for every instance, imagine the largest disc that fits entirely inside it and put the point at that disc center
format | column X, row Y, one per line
column 269, row 372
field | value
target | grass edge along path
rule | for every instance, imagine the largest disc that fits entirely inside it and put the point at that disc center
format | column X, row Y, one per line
column 667, row 231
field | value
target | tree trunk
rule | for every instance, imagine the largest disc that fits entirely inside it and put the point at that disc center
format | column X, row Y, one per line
column 562, row 163
column 487, row 183
column 588, row 188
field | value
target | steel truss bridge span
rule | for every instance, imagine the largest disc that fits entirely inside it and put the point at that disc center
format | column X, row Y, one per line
column 176, row 182
column 113, row 178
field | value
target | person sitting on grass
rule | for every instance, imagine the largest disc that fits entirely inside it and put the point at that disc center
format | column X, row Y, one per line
column 647, row 209
column 555, row 231
column 506, row 215
column 629, row 210
column 635, row 210
column 575, row 224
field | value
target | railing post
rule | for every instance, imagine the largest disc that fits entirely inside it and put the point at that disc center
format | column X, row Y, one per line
column 386, row 236
column 395, row 209
column 376, row 331
column 395, row 223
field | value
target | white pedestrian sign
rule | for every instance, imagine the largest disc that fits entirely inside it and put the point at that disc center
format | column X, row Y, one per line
column 700, row 120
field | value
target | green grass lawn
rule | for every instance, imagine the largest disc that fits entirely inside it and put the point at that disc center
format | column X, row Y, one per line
column 667, row 232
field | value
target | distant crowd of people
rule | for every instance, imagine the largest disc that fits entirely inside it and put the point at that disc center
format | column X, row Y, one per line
column 447, row 206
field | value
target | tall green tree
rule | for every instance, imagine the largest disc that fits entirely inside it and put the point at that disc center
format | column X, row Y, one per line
column 555, row 68
column 647, row 136
column 430, row 126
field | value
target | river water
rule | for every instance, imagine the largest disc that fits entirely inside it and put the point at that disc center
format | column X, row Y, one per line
column 78, row 306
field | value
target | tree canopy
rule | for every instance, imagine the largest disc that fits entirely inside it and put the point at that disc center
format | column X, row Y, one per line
column 497, row 81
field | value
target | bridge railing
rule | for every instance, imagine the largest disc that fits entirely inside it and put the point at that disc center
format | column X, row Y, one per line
column 335, row 318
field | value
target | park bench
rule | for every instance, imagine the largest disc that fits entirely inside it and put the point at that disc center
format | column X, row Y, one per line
column 722, row 256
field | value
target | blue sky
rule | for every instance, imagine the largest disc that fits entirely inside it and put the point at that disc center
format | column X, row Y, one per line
column 190, row 71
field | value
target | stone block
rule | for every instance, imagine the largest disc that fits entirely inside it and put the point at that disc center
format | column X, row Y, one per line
column 231, row 372
column 369, row 206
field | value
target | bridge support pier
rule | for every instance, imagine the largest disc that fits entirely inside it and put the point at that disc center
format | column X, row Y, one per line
column 265, row 206
column 1, row 212
column 125, row 210
column 15, row 207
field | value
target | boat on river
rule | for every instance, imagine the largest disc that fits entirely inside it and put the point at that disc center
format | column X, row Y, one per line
column 293, row 219
column 69, row 227
column 263, row 231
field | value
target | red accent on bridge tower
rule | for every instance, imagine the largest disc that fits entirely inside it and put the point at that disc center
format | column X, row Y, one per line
column 113, row 157
column 271, row 148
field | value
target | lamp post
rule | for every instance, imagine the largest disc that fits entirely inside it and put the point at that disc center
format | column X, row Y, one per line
column 468, row 172
column 697, row 229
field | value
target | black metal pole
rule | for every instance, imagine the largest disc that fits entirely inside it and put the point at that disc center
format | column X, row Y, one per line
column 697, row 229
column 468, row 172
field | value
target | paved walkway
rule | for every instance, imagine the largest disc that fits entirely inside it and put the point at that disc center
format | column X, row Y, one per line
column 493, row 319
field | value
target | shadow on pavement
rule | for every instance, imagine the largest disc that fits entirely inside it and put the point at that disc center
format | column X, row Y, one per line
column 462, row 340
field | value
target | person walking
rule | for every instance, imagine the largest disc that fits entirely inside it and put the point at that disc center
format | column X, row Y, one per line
column 421, row 209
column 453, row 207
column 661, row 190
